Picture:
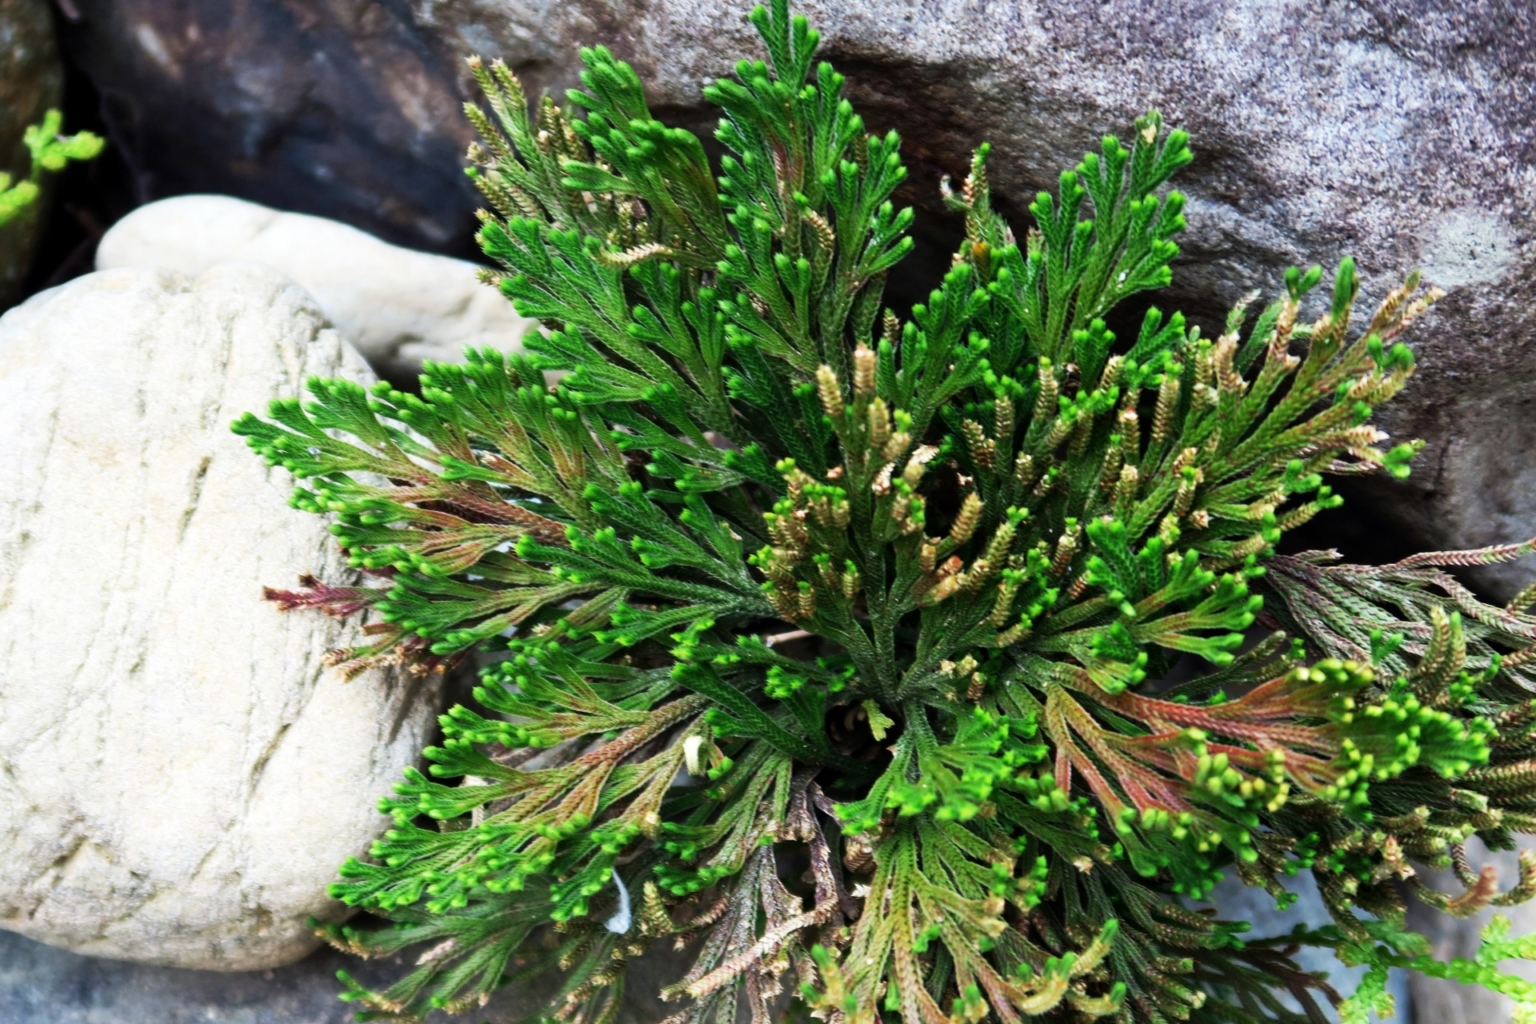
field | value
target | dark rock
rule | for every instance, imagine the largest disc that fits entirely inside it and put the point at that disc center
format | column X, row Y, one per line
column 349, row 110
column 1401, row 131
column 43, row 985
column 31, row 81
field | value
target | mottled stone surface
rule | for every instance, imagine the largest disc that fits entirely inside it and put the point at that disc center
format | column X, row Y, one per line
column 180, row 771
column 31, row 81
column 346, row 109
column 43, row 985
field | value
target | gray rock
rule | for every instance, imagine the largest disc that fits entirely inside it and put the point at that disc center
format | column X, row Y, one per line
column 1400, row 131
column 43, row 985
column 1235, row 901
column 1420, row 999
column 1448, row 1002
column 31, row 81
column 180, row 773
column 398, row 307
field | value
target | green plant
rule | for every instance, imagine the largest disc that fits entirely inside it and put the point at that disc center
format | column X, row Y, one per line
column 50, row 151
column 839, row 644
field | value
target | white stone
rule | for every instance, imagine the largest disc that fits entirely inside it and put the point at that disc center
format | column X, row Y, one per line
column 180, row 776
column 397, row 306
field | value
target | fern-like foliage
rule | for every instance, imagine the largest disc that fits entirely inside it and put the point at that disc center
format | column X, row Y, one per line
column 841, row 646
column 49, row 151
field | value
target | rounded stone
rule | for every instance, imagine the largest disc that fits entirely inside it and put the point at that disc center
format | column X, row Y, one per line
column 397, row 306
column 180, row 773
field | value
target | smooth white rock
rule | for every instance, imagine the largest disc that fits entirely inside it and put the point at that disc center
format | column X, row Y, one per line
column 397, row 306
column 179, row 773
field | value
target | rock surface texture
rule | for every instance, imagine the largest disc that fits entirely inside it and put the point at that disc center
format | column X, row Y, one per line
column 31, row 81
column 396, row 306
column 346, row 110
column 1238, row 902
column 180, row 775
column 43, row 985
column 1446, row 1002
column 1400, row 131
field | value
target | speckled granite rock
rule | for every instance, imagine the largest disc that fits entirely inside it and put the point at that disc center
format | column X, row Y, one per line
column 31, row 81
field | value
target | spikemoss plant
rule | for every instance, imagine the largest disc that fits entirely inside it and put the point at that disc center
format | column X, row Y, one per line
column 837, row 648
column 49, row 150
